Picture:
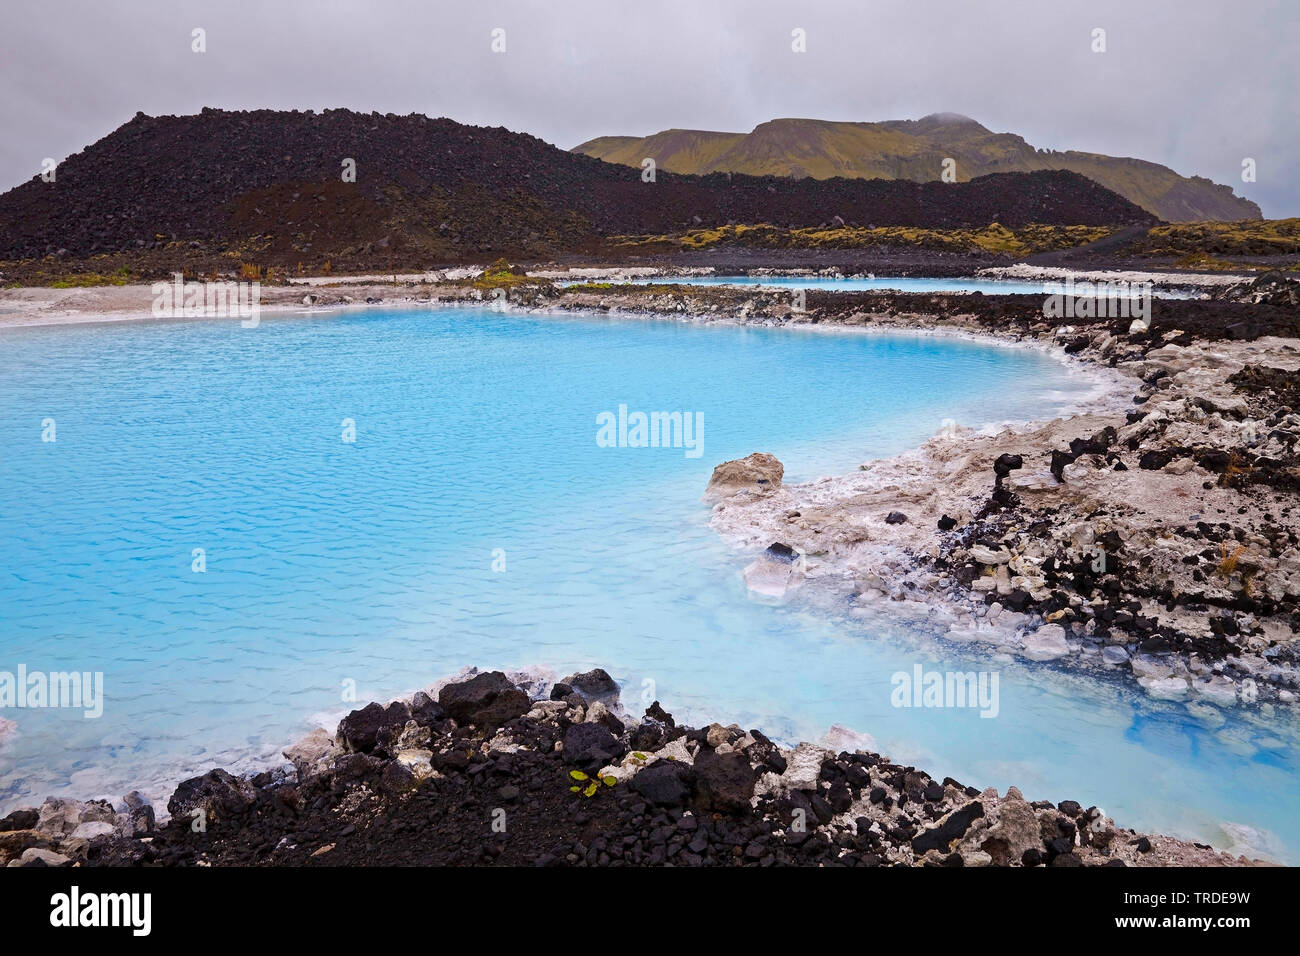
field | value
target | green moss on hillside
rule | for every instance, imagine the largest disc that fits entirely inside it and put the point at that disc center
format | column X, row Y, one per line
column 916, row 150
column 992, row 239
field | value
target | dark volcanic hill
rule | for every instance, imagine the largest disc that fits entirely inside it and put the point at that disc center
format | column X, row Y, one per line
column 270, row 182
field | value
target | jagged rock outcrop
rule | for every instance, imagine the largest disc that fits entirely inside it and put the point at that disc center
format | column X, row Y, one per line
column 758, row 473
column 564, row 785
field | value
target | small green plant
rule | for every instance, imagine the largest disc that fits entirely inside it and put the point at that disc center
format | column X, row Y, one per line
column 592, row 783
column 501, row 275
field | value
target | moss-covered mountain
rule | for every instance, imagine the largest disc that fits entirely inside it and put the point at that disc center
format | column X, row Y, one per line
column 915, row 150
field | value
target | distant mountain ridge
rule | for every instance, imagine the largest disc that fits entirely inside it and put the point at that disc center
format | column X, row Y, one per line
column 268, row 184
column 915, row 150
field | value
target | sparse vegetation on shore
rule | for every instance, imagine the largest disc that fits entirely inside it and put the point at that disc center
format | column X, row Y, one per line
column 994, row 238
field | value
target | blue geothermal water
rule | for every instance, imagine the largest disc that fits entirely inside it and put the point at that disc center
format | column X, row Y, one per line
column 475, row 520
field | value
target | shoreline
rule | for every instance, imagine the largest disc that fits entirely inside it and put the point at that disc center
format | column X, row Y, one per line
column 900, row 572
column 1197, row 675
column 485, row 768
column 132, row 302
column 1158, row 278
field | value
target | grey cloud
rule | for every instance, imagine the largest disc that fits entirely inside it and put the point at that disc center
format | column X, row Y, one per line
column 1194, row 84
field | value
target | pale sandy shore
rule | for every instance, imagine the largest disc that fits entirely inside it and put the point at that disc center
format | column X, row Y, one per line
column 37, row 306
column 1027, row 272
column 44, row 306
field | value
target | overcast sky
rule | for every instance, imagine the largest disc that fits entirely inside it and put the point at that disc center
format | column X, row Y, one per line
column 1195, row 84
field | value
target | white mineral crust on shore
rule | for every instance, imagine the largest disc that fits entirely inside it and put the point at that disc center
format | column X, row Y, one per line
column 840, row 522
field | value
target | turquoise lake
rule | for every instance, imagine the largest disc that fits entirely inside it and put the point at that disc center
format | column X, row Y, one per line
column 372, row 560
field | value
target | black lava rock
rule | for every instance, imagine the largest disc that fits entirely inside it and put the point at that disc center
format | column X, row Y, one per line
column 218, row 793
column 953, row 827
column 724, row 782
column 1096, row 445
column 593, row 684
column 665, row 783
column 1156, row 459
column 1017, row 600
column 1059, row 460
column 373, row 727
column 426, row 711
column 650, row 734
column 486, row 699
column 1004, row 465
column 781, row 552
column 20, row 820
column 658, row 713
column 591, row 746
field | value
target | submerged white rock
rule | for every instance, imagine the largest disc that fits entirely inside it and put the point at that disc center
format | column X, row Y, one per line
column 1218, row 690
column 841, row 738
column 1165, row 688
column 1046, row 644
column 1114, row 654
column 775, row 575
